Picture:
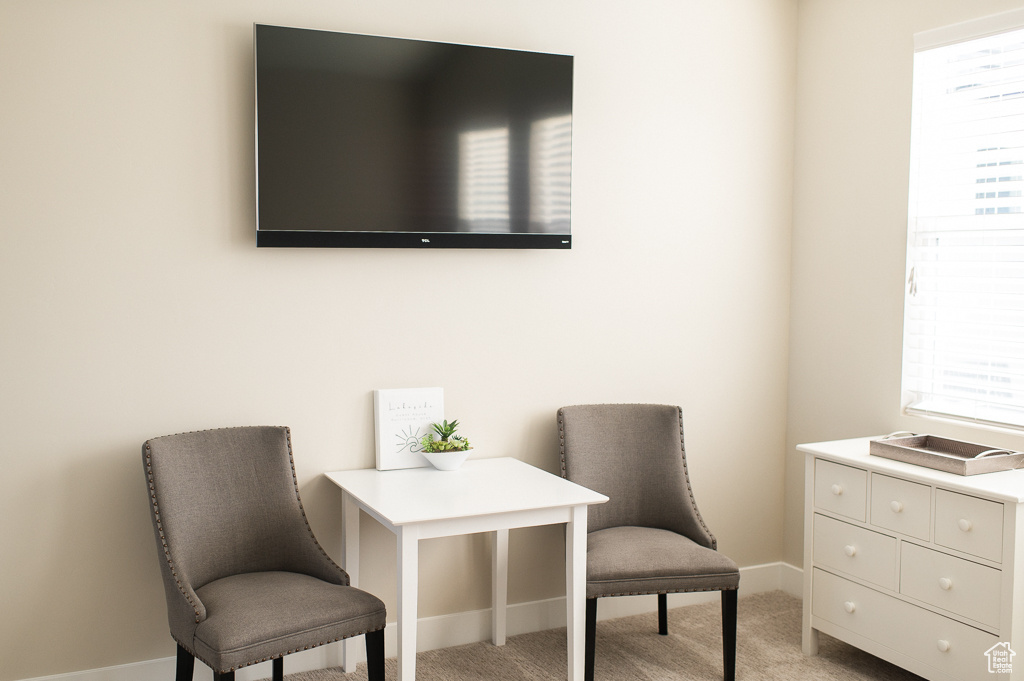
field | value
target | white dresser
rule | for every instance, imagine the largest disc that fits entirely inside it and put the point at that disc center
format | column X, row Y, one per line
column 914, row 565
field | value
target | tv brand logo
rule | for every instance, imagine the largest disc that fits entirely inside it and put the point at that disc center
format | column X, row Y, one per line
column 426, row 241
column 1000, row 659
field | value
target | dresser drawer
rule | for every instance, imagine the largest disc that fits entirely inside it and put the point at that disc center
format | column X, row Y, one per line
column 840, row 489
column 858, row 552
column 951, row 583
column 901, row 506
column 969, row 524
column 939, row 642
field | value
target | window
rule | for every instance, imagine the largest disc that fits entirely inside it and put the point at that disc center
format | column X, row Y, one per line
column 963, row 335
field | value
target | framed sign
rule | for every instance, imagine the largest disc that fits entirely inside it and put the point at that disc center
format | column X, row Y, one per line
column 401, row 418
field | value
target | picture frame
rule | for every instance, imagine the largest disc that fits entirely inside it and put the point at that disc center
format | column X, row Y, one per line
column 401, row 418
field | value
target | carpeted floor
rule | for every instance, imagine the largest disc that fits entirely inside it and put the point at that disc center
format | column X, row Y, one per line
column 630, row 649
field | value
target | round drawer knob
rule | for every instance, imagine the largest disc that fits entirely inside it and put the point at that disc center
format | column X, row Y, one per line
column 964, row 524
column 849, row 606
column 896, row 506
column 943, row 645
column 837, row 490
column 945, row 583
column 850, row 550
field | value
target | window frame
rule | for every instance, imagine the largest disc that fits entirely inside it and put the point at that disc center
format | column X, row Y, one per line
column 925, row 41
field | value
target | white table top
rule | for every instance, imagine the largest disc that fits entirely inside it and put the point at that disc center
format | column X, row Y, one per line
column 479, row 487
column 1005, row 485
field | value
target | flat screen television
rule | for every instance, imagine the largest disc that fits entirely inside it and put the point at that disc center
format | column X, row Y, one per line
column 370, row 141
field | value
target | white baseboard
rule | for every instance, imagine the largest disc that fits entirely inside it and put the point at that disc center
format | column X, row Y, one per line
column 792, row 580
column 456, row 629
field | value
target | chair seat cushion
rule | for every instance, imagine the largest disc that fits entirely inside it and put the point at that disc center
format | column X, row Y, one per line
column 257, row 616
column 643, row 560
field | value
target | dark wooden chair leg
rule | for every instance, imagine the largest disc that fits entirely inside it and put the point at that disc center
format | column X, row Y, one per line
column 663, row 614
column 729, row 632
column 375, row 655
column 223, row 676
column 590, row 637
column 185, row 666
column 278, row 669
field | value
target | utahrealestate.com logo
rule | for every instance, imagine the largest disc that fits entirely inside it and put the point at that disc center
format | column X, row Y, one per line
column 1000, row 658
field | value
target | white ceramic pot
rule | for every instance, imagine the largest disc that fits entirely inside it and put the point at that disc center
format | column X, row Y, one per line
column 446, row 461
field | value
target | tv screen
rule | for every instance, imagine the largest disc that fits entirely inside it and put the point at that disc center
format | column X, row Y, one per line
column 369, row 141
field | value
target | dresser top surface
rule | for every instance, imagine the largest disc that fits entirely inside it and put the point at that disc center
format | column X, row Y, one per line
column 1004, row 485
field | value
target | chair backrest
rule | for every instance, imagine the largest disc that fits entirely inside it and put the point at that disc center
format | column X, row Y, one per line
column 633, row 454
column 226, row 502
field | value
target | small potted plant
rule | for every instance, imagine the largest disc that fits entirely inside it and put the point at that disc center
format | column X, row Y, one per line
column 448, row 450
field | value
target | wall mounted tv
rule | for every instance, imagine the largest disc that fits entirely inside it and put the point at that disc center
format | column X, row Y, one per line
column 369, row 141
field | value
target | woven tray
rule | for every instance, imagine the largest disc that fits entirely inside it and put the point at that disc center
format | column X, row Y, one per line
column 952, row 456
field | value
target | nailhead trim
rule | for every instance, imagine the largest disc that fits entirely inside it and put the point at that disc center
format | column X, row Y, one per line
column 295, row 481
column 689, row 489
column 295, row 650
column 561, row 440
column 187, row 648
column 163, row 537
column 673, row 591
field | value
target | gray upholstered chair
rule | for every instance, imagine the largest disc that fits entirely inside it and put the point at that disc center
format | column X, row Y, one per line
column 649, row 538
column 244, row 577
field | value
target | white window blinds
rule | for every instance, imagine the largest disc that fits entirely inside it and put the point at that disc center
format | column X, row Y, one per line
column 963, row 354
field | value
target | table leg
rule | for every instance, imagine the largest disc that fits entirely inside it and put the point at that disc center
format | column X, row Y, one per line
column 810, row 641
column 350, row 563
column 408, row 585
column 576, row 588
column 499, row 586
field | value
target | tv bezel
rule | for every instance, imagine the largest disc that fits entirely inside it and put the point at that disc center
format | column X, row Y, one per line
column 291, row 238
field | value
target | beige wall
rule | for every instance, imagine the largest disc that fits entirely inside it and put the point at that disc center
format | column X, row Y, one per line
column 134, row 302
column 855, row 60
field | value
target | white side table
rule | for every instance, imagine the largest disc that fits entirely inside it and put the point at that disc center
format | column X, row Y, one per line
column 485, row 495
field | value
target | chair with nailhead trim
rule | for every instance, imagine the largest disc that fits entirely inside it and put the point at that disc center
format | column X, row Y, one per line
column 649, row 538
column 245, row 579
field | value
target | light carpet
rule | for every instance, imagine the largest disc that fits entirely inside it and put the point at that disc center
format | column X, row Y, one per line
column 630, row 649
